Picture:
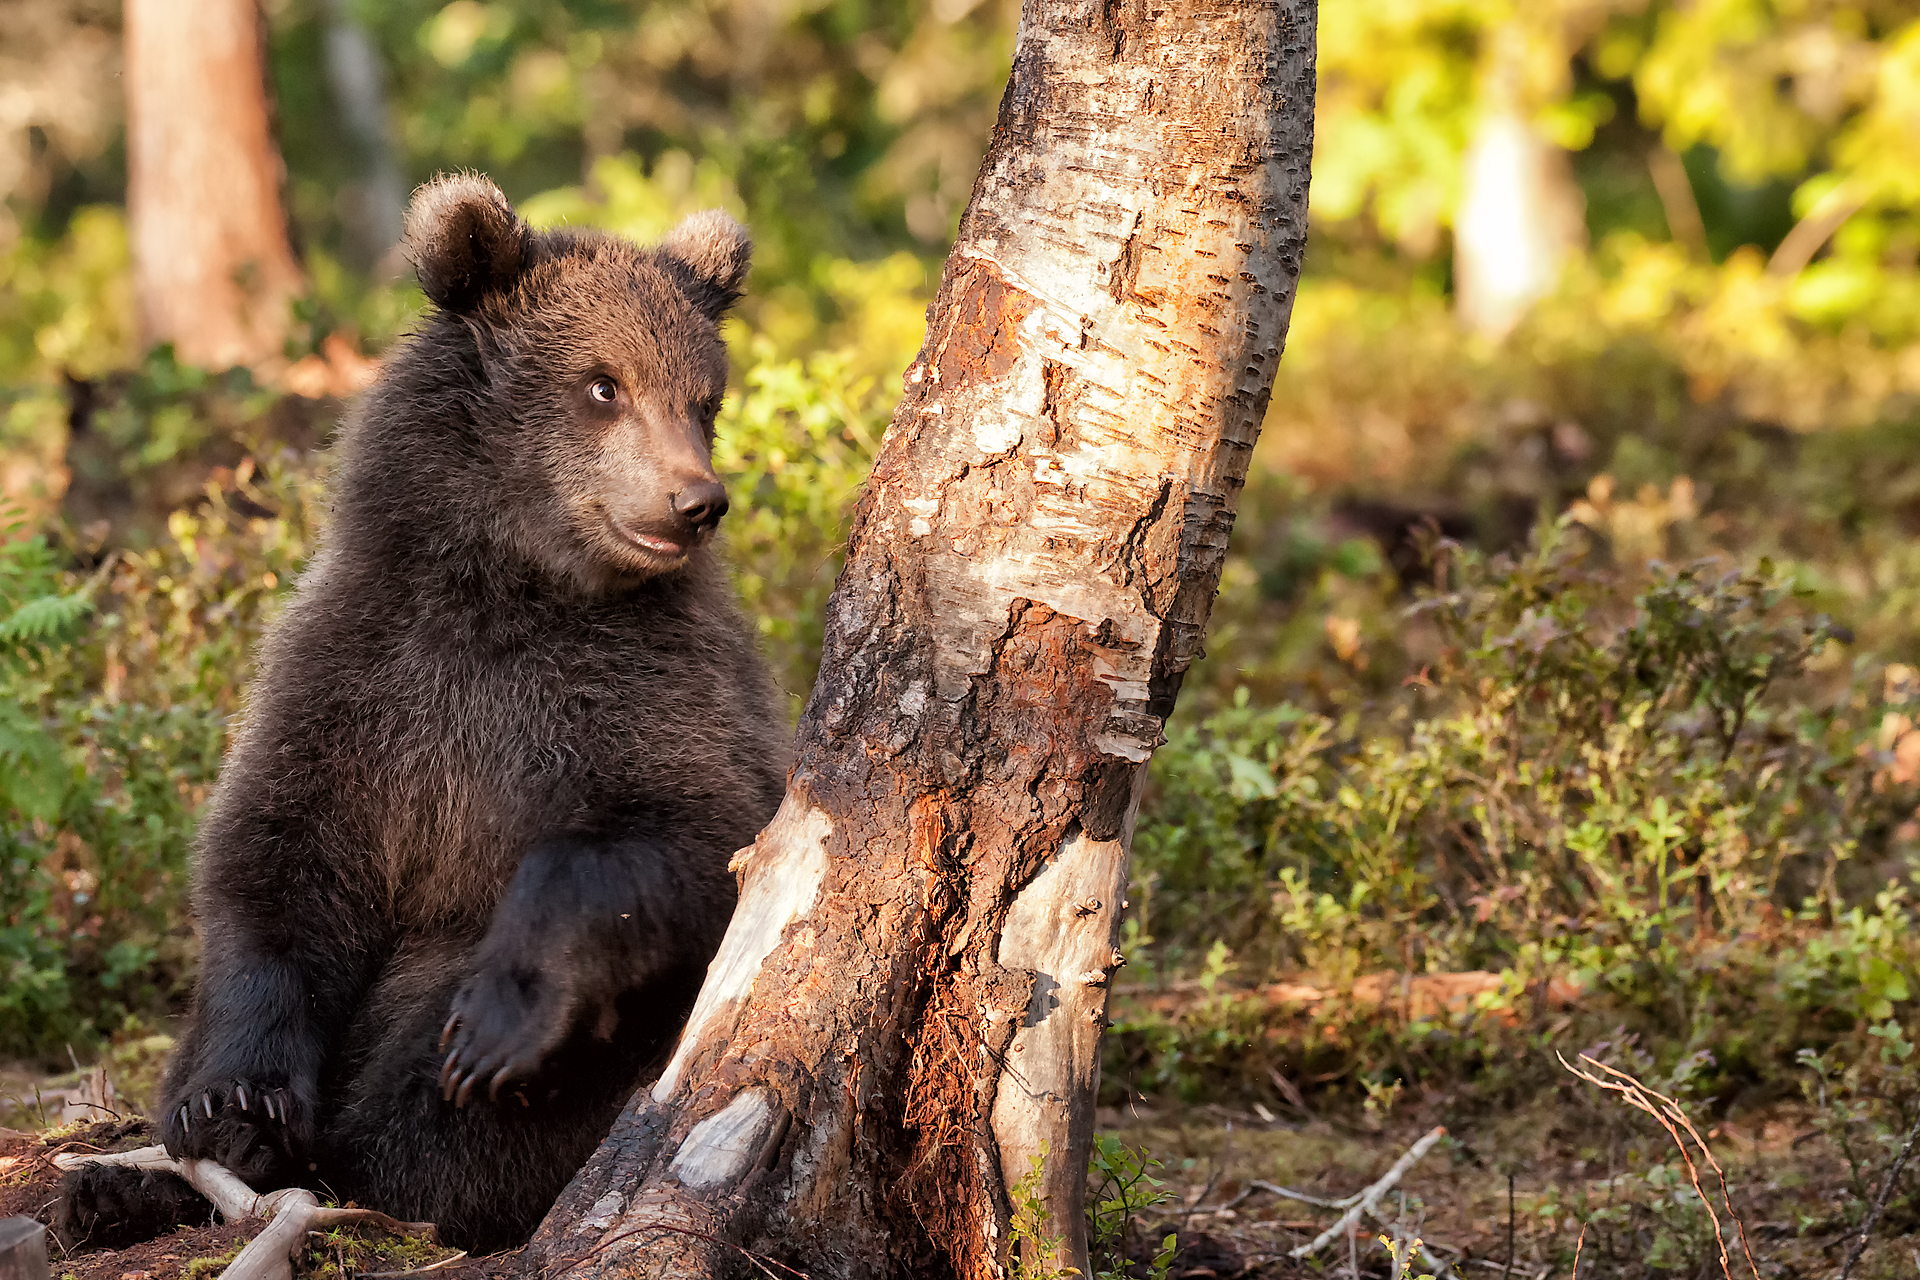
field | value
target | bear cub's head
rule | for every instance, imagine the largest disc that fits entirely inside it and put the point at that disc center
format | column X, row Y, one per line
column 603, row 371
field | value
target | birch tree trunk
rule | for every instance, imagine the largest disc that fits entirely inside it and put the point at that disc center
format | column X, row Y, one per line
column 904, row 1020
column 1521, row 214
column 213, row 271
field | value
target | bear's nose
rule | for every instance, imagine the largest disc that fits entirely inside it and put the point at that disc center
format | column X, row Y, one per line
column 701, row 504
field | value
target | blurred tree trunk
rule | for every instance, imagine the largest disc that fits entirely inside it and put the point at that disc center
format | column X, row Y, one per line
column 213, row 270
column 903, row 1023
column 1521, row 214
column 377, row 201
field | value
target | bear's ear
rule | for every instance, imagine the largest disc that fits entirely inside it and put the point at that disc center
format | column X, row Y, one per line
column 464, row 239
column 708, row 255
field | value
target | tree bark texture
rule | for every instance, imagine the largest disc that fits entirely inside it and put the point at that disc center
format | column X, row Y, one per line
column 904, row 1020
column 212, row 266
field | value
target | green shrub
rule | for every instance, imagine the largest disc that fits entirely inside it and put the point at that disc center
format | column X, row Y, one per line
column 1637, row 785
column 794, row 448
column 128, row 701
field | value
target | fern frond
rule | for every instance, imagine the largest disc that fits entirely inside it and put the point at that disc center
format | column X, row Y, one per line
column 44, row 619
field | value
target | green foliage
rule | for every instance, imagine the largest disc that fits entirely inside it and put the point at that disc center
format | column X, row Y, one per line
column 212, row 1266
column 114, row 725
column 841, row 126
column 66, row 304
column 1614, row 781
column 795, row 446
column 36, row 613
column 1034, row 1240
column 1122, row 1189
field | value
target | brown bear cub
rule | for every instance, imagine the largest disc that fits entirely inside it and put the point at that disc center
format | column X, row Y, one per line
column 467, row 862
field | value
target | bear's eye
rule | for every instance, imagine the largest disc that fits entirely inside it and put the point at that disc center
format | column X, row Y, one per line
column 604, row 390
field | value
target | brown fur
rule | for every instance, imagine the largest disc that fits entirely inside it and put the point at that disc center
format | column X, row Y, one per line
column 500, row 749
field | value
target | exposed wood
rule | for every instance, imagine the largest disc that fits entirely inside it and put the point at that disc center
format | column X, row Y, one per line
column 292, row 1213
column 906, row 1011
column 213, row 271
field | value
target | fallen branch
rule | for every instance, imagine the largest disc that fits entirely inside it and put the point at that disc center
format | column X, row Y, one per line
column 1435, row 1265
column 292, row 1213
column 1418, row 997
column 1363, row 1202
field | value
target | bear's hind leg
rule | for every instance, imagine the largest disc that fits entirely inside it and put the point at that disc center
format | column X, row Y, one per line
column 107, row 1206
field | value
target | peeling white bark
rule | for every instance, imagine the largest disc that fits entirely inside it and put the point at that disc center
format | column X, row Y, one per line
column 1063, row 928
column 1521, row 217
column 782, row 870
column 1521, row 213
column 1124, row 281
column 726, row 1144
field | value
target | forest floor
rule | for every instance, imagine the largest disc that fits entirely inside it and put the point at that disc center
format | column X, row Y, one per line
column 1501, row 1192
column 29, row 1186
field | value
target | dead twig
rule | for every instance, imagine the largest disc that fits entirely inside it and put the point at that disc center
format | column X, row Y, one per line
column 1491, row 1265
column 1290, row 1092
column 1287, row 1193
column 292, row 1213
column 416, row 1271
column 1670, row 1117
column 1880, row 1201
column 1364, row 1202
column 1435, row 1265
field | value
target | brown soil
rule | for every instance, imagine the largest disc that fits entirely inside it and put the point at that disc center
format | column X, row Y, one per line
column 1571, row 1158
column 29, row 1184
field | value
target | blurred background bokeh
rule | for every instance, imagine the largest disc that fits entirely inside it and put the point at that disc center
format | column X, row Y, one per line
column 1569, row 632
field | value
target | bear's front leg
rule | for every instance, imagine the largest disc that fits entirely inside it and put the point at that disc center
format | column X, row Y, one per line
column 583, row 923
column 244, row 1088
column 285, row 950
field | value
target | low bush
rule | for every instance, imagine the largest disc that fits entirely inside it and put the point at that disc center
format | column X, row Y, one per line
column 119, row 685
column 1669, row 788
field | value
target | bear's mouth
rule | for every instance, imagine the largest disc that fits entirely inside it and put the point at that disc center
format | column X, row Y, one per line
column 651, row 543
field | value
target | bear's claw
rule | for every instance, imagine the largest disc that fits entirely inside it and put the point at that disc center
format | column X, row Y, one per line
column 251, row 1128
column 504, row 1024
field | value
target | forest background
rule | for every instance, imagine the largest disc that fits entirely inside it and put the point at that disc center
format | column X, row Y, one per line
column 1563, row 685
